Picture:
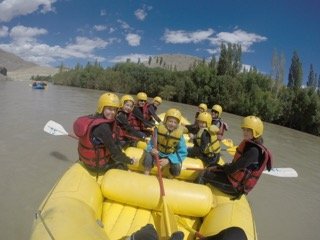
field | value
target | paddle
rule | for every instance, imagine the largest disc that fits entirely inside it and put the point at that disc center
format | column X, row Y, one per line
column 227, row 142
column 277, row 172
column 168, row 221
column 56, row 129
column 190, row 229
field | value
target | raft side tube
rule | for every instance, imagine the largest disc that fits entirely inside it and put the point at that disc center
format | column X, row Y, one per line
column 143, row 191
column 227, row 213
column 75, row 201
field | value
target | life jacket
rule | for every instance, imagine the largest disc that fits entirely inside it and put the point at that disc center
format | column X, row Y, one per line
column 148, row 114
column 244, row 180
column 221, row 125
column 134, row 122
column 121, row 132
column 145, row 111
column 94, row 156
column 213, row 147
column 168, row 141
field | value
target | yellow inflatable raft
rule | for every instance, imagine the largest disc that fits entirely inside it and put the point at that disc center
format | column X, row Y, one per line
column 84, row 205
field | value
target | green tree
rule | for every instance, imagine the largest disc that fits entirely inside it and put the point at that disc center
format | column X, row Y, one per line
column 223, row 63
column 311, row 78
column 230, row 59
column 277, row 72
column 295, row 72
column 236, row 53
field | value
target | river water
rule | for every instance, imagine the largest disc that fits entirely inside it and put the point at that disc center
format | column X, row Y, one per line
column 32, row 161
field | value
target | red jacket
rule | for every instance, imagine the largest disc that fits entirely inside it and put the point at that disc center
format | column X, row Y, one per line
column 245, row 179
column 93, row 156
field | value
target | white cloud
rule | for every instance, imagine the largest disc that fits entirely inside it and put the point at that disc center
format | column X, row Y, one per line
column 245, row 39
column 103, row 12
column 10, row 9
column 124, row 25
column 215, row 51
column 22, row 33
column 25, row 44
column 4, row 31
column 86, row 45
column 111, row 30
column 133, row 39
column 246, row 67
column 142, row 13
column 133, row 58
column 99, row 28
column 238, row 37
column 181, row 36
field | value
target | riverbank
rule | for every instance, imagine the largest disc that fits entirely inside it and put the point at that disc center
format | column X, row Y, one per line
column 25, row 74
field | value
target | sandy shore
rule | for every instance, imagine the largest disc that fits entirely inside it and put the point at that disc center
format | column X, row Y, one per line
column 25, row 74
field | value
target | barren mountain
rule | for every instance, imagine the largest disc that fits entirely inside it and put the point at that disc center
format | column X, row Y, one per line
column 12, row 62
column 177, row 62
column 19, row 69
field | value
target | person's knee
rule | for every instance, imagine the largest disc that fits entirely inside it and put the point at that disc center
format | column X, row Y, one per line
column 230, row 233
column 175, row 169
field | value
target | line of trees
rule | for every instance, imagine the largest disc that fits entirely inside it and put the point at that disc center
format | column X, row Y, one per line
column 239, row 91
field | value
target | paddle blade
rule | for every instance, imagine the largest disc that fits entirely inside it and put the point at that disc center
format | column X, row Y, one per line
column 227, row 142
column 168, row 220
column 282, row 172
column 54, row 128
column 232, row 150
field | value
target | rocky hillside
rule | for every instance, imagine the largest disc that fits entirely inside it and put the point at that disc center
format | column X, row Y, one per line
column 12, row 62
column 177, row 62
column 19, row 69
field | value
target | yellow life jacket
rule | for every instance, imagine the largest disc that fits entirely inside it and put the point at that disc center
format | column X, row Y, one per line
column 213, row 147
column 168, row 141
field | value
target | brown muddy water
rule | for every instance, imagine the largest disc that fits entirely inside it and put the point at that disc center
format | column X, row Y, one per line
column 32, row 161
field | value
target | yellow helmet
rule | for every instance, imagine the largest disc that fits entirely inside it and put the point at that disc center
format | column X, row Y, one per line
column 126, row 98
column 107, row 100
column 157, row 99
column 203, row 106
column 205, row 117
column 142, row 96
column 173, row 112
column 255, row 124
column 218, row 109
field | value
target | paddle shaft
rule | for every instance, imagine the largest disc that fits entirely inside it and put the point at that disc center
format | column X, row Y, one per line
column 73, row 136
column 156, row 156
column 190, row 229
column 277, row 172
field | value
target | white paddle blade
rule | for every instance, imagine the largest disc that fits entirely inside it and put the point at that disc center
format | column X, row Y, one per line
column 282, row 172
column 54, row 128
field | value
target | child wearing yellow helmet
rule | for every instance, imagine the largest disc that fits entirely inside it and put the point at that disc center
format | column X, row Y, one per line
column 216, row 113
column 168, row 144
column 140, row 115
column 97, row 137
column 206, row 145
column 251, row 159
column 152, row 110
column 193, row 128
column 127, row 135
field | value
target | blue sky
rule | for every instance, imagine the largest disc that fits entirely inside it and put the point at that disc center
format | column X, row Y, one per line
column 51, row 32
